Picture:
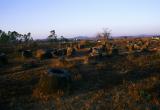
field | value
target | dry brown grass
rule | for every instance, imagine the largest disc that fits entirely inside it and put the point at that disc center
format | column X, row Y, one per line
column 130, row 81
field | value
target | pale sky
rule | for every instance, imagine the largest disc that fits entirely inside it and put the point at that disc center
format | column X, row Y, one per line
column 80, row 17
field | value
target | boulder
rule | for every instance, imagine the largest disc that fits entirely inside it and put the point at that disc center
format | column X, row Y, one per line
column 48, row 54
column 130, row 47
column 60, row 52
column 27, row 53
column 44, row 54
column 109, row 51
column 103, row 47
column 70, row 51
column 95, row 52
column 80, row 46
column 136, row 47
column 40, row 53
column 3, row 59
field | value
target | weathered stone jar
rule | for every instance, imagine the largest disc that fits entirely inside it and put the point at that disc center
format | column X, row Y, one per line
column 55, row 80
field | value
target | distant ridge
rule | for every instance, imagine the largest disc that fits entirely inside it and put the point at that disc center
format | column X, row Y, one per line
column 82, row 37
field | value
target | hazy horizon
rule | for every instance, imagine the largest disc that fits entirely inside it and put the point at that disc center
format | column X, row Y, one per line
column 81, row 17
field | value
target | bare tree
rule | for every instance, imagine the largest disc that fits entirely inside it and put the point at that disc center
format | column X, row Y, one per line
column 106, row 33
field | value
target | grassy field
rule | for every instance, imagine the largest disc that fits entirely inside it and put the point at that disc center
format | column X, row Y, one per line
column 128, row 81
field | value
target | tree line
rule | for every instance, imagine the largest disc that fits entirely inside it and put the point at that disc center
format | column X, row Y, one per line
column 14, row 37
